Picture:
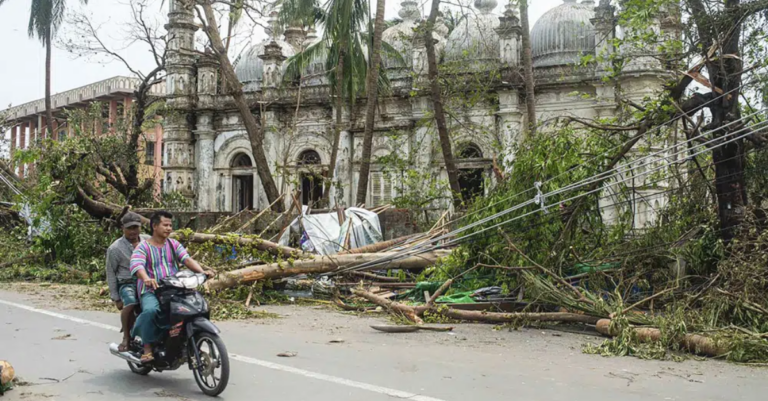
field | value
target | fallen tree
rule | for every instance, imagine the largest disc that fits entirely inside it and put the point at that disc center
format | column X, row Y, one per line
column 415, row 314
column 260, row 244
column 323, row 264
column 380, row 246
column 694, row 343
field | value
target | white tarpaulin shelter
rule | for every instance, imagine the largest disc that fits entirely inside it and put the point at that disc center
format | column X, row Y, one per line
column 322, row 233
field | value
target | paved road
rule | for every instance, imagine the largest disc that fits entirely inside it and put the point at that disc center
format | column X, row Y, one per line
column 472, row 364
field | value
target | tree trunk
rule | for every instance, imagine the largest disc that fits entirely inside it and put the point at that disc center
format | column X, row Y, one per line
column 370, row 107
column 437, row 105
column 413, row 313
column 729, row 159
column 498, row 317
column 694, row 343
column 530, row 96
column 407, row 311
column 48, row 109
column 259, row 243
column 337, row 125
column 322, row 264
column 255, row 133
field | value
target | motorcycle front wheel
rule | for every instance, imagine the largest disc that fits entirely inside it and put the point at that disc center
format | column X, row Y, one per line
column 212, row 377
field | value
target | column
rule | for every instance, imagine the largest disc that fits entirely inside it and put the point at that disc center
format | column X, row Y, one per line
column 34, row 130
column 158, row 162
column 43, row 128
column 179, row 155
column 342, row 178
column 510, row 125
column 33, row 137
column 422, row 140
column 112, row 115
column 22, row 133
column 55, row 133
column 127, row 104
column 14, row 134
column 204, row 161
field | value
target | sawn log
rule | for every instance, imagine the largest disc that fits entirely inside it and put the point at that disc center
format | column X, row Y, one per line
column 694, row 343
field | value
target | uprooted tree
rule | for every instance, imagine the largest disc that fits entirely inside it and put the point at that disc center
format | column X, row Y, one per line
column 115, row 157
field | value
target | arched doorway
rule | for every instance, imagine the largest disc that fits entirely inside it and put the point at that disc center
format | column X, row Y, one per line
column 242, row 182
column 471, row 178
column 310, row 177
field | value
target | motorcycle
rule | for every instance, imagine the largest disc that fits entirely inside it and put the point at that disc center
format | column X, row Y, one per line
column 192, row 338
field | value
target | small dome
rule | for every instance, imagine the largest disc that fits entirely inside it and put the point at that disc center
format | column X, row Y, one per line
column 249, row 68
column 475, row 38
column 401, row 35
column 314, row 72
column 564, row 34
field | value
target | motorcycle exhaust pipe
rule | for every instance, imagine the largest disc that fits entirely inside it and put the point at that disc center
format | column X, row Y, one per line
column 124, row 355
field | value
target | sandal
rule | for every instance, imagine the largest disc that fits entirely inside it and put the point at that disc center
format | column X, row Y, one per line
column 148, row 357
column 122, row 348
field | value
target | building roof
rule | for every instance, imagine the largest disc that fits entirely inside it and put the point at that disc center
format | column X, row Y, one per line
column 101, row 90
column 564, row 34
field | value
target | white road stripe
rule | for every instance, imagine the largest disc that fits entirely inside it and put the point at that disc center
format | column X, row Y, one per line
column 253, row 361
column 334, row 379
column 61, row 316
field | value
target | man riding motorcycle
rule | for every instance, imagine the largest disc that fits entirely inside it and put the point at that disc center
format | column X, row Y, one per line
column 152, row 260
column 122, row 287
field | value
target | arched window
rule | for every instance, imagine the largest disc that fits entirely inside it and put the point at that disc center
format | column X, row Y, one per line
column 242, row 183
column 242, row 160
column 471, row 178
column 470, row 151
column 308, row 158
column 311, row 181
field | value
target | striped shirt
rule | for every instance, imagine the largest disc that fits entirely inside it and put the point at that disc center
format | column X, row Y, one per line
column 157, row 262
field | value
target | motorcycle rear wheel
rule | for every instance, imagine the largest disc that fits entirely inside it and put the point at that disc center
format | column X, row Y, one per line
column 140, row 369
column 215, row 358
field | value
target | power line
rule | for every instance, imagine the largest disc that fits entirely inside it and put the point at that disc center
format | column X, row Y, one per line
column 658, row 128
column 420, row 248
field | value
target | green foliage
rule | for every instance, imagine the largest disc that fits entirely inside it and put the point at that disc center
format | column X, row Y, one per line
column 73, row 238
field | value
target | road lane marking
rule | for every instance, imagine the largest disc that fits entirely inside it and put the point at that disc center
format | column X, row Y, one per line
column 253, row 361
column 61, row 316
column 333, row 379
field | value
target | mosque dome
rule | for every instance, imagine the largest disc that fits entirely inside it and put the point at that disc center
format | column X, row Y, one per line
column 564, row 34
column 400, row 36
column 475, row 38
column 249, row 68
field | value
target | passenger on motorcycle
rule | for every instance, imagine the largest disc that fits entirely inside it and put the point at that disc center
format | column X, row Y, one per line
column 122, row 286
column 152, row 260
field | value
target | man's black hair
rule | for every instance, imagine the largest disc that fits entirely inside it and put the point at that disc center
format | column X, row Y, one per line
column 156, row 217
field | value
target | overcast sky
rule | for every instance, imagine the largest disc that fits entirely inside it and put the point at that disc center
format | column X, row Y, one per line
column 22, row 72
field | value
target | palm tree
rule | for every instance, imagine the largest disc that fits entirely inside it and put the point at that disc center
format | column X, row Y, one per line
column 45, row 18
column 370, row 107
column 343, row 45
column 437, row 105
